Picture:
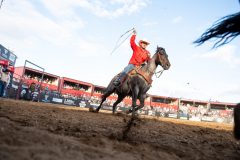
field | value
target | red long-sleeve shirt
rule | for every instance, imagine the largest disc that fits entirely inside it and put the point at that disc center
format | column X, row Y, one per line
column 139, row 55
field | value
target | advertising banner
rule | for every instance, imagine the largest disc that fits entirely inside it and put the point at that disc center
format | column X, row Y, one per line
column 6, row 54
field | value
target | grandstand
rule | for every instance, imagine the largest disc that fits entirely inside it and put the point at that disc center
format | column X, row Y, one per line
column 30, row 76
column 76, row 88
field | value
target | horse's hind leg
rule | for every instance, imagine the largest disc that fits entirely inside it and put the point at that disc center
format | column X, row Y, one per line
column 120, row 98
column 104, row 97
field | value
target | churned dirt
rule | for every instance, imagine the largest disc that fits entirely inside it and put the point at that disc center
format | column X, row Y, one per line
column 40, row 131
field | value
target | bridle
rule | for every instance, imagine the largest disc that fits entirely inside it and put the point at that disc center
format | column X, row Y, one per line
column 159, row 73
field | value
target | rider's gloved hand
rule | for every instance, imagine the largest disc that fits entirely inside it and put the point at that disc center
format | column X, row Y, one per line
column 143, row 64
column 134, row 31
column 149, row 55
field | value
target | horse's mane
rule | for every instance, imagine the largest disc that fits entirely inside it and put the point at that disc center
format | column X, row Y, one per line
column 145, row 66
column 225, row 29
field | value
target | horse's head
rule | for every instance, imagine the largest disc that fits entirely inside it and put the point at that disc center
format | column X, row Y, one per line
column 162, row 58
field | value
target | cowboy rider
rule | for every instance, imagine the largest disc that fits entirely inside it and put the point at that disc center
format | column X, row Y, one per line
column 140, row 55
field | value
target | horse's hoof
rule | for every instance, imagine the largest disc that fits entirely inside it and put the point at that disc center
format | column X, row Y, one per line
column 127, row 112
column 136, row 115
column 91, row 109
column 119, row 113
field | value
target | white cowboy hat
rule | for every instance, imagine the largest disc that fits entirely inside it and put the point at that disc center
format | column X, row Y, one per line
column 144, row 41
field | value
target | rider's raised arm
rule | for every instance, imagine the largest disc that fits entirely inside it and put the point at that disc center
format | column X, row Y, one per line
column 132, row 42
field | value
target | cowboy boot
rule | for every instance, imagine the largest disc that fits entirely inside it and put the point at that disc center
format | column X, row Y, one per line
column 119, row 79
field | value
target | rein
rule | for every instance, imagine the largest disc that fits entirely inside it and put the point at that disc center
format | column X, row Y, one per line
column 159, row 73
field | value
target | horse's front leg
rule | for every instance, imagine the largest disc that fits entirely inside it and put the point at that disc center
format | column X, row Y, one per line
column 133, row 109
column 99, row 107
column 142, row 100
column 104, row 97
column 134, row 101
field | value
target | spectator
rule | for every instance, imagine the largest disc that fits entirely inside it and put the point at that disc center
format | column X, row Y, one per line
column 9, row 77
column 1, row 82
column 32, row 87
column 4, row 76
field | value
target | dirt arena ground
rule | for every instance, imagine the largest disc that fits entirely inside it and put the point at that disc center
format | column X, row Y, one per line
column 39, row 131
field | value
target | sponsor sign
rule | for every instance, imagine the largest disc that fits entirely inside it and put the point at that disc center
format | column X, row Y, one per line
column 172, row 115
column 208, row 119
column 82, row 104
column 57, row 100
column 94, row 105
column 70, row 102
column 195, row 118
column 107, row 107
column 6, row 54
column 12, row 58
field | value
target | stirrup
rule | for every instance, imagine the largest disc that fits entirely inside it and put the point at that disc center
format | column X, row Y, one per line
column 116, row 83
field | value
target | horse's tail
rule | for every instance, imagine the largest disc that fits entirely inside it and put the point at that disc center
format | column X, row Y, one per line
column 111, row 85
column 109, row 89
column 236, row 129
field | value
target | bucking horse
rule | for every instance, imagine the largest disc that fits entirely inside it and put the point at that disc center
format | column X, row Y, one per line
column 137, row 83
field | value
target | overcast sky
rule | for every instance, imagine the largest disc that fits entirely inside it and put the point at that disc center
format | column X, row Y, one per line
column 74, row 38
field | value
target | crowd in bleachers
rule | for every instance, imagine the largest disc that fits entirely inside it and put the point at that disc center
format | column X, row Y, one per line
column 206, row 113
column 74, row 87
column 50, row 81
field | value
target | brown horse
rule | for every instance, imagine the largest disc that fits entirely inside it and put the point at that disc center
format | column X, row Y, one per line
column 225, row 30
column 136, row 85
column 236, row 129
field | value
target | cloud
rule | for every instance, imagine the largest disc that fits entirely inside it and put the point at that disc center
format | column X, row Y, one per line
column 227, row 93
column 100, row 8
column 28, row 30
column 120, row 7
column 24, row 21
column 177, row 19
column 231, row 93
column 150, row 23
column 57, row 22
column 225, row 54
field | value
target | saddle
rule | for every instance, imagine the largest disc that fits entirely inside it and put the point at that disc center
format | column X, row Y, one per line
column 137, row 70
